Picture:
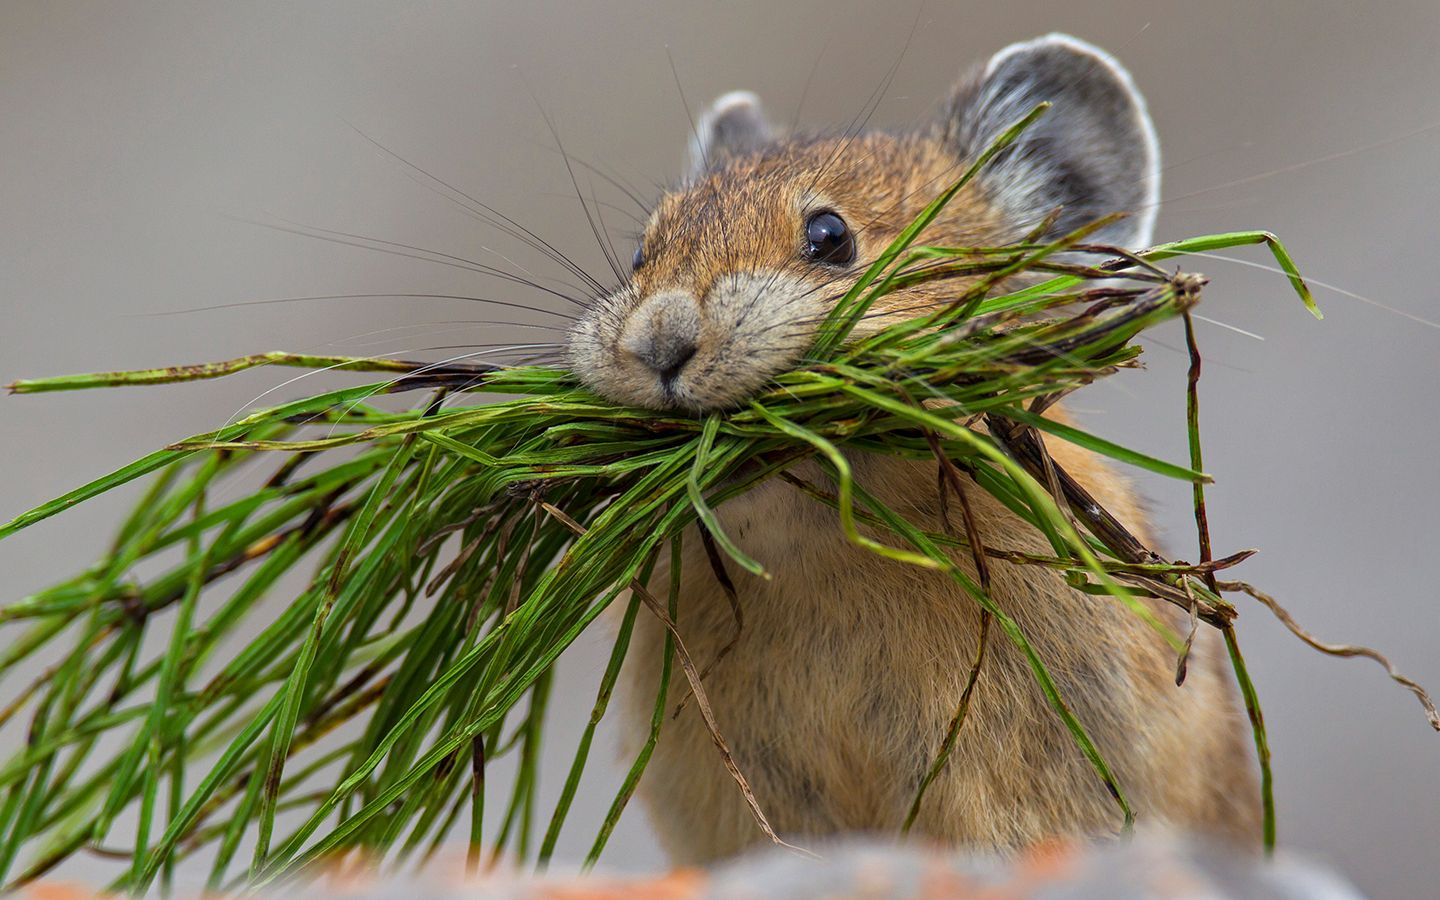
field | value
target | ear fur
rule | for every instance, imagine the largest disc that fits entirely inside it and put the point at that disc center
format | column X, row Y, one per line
column 1094, row 152
column 734, row 125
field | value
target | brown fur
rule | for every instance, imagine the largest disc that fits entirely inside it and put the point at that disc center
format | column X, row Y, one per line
column 850, row 665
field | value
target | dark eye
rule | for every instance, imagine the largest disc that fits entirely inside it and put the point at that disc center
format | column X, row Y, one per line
column 638, row 259
column 828, row 239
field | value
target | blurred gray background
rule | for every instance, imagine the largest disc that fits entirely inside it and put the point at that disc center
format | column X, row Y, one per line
column 132, row 136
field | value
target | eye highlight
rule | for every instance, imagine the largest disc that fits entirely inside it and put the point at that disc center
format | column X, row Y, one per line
column 638, row 259
column 828, row 239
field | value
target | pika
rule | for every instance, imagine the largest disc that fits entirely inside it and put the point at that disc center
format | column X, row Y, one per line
column 850, row 666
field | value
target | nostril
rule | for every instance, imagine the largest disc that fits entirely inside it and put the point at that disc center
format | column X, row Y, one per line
column 670, row 369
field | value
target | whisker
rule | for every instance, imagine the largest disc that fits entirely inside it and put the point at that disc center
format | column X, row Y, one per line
column 552, row 359
column 689, row 116
column 1419, row 320
column 579, row 195
column 1208, row 154
column 623, row 187
column 439, row 331
column 862, row 119
column 234, row 417
column 387, row 296
column 1226, row 206
column 810, row 79
column 1227, row 325
column 311, row 230
column 494, row 348
column 704, row 154
column 365, row 242
column 1210, row 360
column 600, row 214
column 613, row 207
column 495, row 322
column 386, row 385
column 1295, row 167
column 486, row 213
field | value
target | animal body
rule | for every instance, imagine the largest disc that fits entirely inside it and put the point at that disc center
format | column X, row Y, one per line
column 850, row 666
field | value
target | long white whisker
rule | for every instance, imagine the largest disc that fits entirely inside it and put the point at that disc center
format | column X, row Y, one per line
column 379, row 296
column 420, row 371
column 1227, row 325
column 447, row 331
column 1420, row 320
column 289, row 381
column 1294, row 167
column 352, row 340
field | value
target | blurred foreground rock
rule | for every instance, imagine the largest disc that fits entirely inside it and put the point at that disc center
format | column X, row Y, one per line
column 1139, row 870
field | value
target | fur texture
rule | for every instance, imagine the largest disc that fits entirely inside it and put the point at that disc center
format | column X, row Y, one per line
column 850, row 666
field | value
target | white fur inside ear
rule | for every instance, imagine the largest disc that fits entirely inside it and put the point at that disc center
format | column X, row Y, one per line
column 1144, row 217
column 733, row 124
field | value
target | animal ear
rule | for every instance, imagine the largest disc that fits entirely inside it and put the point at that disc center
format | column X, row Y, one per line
column 1092, row 153
column 733, row 126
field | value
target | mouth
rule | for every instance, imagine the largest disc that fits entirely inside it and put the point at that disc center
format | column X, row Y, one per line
column 676, row 393
column 669, row 392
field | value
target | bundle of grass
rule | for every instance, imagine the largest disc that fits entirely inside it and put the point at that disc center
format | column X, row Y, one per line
column 458, row 549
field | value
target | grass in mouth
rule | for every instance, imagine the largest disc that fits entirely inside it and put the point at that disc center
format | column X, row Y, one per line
column 453, row 551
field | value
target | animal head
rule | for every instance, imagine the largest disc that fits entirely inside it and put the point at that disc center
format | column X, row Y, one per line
column 739, row 265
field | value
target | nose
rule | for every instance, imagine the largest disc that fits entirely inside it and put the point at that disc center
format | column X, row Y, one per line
column 664, row 333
